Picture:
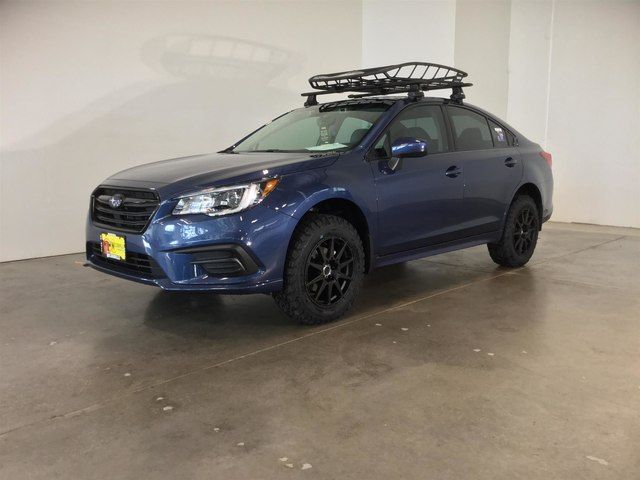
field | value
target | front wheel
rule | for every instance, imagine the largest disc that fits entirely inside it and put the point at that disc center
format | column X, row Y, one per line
column 323, row 271
column 520, row 234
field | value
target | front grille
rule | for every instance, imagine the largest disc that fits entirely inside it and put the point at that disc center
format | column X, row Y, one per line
column 137, row 264
column 132, row 215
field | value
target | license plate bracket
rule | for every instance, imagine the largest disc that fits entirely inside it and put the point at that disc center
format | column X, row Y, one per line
column 113, row 246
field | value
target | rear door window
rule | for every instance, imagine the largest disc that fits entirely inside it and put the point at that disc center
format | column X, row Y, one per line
column 500, row 135
column 470, row 129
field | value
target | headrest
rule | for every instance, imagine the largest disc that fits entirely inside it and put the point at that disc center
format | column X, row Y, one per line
column 357, row 135
column 470, row 138
column 419, row 133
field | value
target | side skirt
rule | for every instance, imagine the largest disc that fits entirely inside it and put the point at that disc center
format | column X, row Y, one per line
column 437, row 249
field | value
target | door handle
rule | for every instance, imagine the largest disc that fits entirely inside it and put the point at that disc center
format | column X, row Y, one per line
column 510, row 162
column 453, row 171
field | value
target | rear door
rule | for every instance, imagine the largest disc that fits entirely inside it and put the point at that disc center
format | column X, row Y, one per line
column 492, row 168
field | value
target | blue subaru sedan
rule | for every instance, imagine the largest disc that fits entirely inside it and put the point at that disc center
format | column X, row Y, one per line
column 306, row 205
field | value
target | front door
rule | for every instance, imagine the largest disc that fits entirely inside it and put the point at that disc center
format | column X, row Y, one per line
column 420, row 201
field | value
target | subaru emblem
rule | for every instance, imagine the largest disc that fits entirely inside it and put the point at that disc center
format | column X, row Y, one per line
column 116, row 201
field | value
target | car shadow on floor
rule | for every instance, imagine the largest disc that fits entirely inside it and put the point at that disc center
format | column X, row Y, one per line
column 205, row 314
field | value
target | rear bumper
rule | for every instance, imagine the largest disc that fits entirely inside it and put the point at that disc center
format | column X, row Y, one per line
column 242, row 253
column 547, row 200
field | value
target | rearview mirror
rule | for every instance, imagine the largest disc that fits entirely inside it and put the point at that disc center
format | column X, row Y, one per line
column 408, row 147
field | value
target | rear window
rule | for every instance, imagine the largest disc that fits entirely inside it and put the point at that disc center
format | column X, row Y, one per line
column 470, row 129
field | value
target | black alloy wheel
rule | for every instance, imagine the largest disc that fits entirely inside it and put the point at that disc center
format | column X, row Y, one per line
column 520, row 234
column 329, row 271
column 324, row 269
column 525, row 231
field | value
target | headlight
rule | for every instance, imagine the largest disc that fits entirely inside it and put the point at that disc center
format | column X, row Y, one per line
column 225, row 200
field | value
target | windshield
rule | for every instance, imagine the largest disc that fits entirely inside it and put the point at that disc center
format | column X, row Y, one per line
column 329, row 127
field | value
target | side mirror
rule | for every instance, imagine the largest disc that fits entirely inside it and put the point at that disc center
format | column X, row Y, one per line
column 406, row 147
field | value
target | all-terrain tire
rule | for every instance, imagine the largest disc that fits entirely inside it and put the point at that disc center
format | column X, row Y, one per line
column 325, row 253
column 520, row 234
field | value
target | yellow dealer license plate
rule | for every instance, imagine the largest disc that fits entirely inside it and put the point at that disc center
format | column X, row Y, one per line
column 113, row 246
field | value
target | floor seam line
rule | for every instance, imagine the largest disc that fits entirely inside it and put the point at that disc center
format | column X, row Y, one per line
column 98, row 406
column 575, row 282
column 475, row 269
column 546, row 260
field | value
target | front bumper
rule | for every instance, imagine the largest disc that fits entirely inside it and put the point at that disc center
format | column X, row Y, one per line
column 241, row 253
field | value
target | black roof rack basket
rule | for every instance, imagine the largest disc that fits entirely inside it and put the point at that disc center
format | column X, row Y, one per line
column 413, row 78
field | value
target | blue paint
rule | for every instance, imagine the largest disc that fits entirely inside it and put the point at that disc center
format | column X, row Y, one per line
column 429, row 203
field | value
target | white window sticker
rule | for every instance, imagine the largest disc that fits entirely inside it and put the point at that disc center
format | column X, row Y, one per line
column 499, row 134
column 327, row 146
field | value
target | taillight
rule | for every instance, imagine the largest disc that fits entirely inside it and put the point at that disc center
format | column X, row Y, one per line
column 547, row 157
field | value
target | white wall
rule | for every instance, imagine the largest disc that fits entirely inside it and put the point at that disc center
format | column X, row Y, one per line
column 482, row 50
column 90, row 88
column 574, row 86
column 407, row 30
column 529, row 57
column 564, row 73
column 594, row 112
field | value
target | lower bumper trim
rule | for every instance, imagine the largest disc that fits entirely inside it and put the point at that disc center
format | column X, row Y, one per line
column 135, row 265
column 224, row 260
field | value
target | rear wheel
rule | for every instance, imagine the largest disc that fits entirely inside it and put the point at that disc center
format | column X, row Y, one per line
column 324, row 270
column 520, row 234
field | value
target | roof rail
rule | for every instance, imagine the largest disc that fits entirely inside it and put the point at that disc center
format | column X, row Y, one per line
column 413, row 78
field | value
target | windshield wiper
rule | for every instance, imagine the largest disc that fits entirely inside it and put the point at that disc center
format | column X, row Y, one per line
column 271, row 150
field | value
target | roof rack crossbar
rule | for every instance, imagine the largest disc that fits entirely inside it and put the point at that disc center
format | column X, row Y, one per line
column 411, row 77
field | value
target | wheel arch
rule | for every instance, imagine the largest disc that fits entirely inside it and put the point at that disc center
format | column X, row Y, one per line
column 351, row 212
column 531, row 190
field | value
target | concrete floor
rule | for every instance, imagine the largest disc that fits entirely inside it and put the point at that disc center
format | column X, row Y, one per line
column 448, row 368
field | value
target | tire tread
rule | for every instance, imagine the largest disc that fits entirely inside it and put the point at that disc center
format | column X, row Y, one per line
column 503, row 252
column 290, row 300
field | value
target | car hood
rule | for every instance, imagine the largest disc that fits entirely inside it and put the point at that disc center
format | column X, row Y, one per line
column 178, row 175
